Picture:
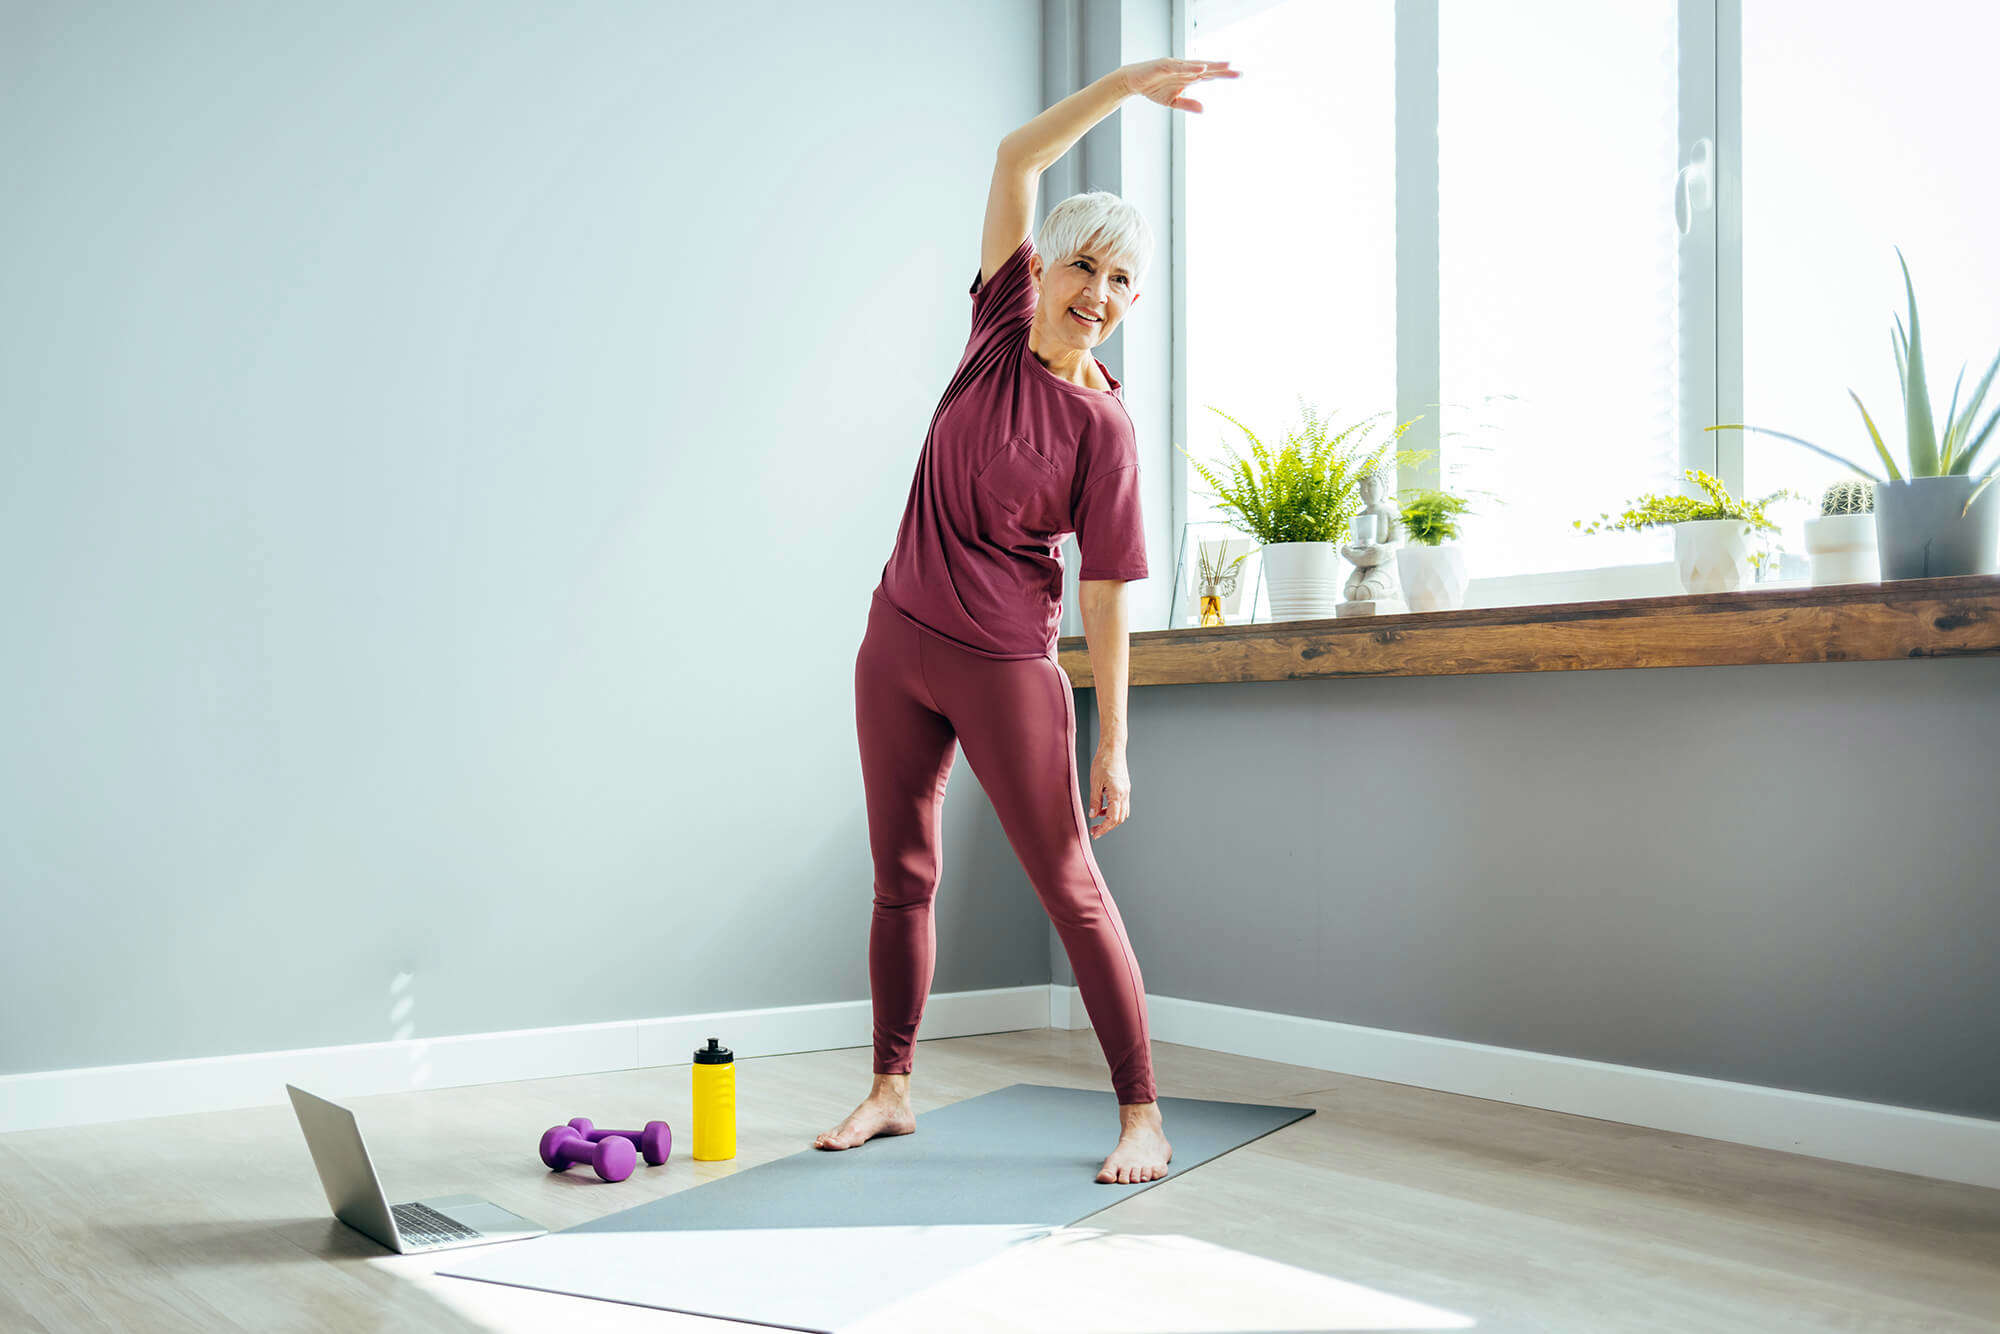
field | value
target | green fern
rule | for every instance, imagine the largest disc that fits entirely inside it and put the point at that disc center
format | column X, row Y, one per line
column 1307, row 490
column 1428, row 516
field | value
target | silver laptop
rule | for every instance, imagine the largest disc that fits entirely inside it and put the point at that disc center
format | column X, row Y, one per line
column 436, row 1224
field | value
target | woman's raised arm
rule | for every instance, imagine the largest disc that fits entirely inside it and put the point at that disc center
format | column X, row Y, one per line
column 1031, row 150
column 1010, row 212
column 1043, row 140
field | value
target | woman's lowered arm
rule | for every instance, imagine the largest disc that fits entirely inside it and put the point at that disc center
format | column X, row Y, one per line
column 1105, row 622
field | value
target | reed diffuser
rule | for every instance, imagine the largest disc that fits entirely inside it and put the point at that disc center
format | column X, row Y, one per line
column 1216, row 580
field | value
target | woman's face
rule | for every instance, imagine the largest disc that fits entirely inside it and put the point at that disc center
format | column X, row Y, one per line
column 1090, row 283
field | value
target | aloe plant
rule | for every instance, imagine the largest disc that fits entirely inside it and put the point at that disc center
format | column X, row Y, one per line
column 1927, row 457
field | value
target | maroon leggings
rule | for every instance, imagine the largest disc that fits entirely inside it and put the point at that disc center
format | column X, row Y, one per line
column 916, row 699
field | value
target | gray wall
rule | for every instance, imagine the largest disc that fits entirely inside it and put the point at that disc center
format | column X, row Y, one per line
column 1780, row 875
column 447, row 453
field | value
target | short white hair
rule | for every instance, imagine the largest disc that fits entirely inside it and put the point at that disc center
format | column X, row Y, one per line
column 1099, row 223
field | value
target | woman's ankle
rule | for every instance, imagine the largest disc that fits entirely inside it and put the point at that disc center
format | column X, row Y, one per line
column 891, row 1086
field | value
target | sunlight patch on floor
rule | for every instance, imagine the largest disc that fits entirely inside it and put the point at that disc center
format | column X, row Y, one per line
column 1087, row 1281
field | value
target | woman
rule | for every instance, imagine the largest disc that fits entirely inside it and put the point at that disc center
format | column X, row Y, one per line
column 1031, row 441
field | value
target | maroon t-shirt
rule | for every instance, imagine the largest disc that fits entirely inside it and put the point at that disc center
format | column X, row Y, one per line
column 1016, row 458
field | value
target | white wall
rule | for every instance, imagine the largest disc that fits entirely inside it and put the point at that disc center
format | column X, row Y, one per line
column 448, row 450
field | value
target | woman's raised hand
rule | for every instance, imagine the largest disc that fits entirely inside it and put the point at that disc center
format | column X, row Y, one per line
column 1164, row 80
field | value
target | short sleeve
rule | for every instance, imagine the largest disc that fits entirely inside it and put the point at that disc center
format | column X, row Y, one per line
column 1007, row 300
column 1110, row 529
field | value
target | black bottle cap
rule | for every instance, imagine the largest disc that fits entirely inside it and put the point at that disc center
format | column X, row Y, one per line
column 713, row 1054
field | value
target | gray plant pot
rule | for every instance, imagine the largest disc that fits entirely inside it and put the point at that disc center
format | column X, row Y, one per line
column 1918, row 532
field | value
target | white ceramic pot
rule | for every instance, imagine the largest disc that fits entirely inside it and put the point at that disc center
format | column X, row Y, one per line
column 1713, row 554
column 1842, row 549
column 1304, row 579
column 1433, row 577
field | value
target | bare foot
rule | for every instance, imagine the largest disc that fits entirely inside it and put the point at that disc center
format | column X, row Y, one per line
column 885, row 1111
column 1143, row 1152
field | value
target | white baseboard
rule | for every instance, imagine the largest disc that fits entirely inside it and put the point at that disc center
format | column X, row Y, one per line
column 1899, row 1139
column 218, row 1083
column 1868, row 1134
column 1066, row 1007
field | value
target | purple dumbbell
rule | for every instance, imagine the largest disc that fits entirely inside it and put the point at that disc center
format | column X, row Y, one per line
column 612, row 1158
column 656, row 1141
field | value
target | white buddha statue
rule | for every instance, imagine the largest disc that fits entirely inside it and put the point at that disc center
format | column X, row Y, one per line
column 1374, row 579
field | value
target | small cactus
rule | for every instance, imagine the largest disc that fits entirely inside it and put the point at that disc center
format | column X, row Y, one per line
column 1854, row 496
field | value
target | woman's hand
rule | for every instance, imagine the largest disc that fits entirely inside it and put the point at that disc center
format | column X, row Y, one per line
column 1163, row 80
column 1110, row 790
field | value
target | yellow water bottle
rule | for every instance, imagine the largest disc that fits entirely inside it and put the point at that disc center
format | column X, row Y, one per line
column 714, row 1102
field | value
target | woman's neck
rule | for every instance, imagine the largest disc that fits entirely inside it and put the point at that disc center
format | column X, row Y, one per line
column 1078, row 369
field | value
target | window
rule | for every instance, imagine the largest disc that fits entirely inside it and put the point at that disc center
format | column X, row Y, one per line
column 1575, row 234
column 1291, row 288
column 1861, row 135
column 1557, row 313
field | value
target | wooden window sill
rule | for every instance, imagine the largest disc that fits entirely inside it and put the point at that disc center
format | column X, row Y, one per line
column 1951, row 617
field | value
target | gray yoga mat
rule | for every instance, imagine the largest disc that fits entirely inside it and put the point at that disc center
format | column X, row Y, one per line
column 819, row 1238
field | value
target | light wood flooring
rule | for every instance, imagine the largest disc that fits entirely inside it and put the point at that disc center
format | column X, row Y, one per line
column 1392, row 1208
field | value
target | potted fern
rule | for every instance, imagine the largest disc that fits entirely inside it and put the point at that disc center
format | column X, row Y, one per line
column 1432, row 565
column 1299, row 502
column 1928, row 523
column 1711, row 536
column 1841, row 541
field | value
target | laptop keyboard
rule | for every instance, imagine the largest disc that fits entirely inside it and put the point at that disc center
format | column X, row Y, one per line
column 420, row 1225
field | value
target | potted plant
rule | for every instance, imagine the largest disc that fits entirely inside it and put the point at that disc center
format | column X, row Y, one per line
column 1926, row 524
column 1841, row 541
column 1711, row 536
column 1432, row 565
column 1298, row 502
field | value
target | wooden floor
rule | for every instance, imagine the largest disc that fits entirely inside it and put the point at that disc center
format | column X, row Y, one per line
column 1393, row 1208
